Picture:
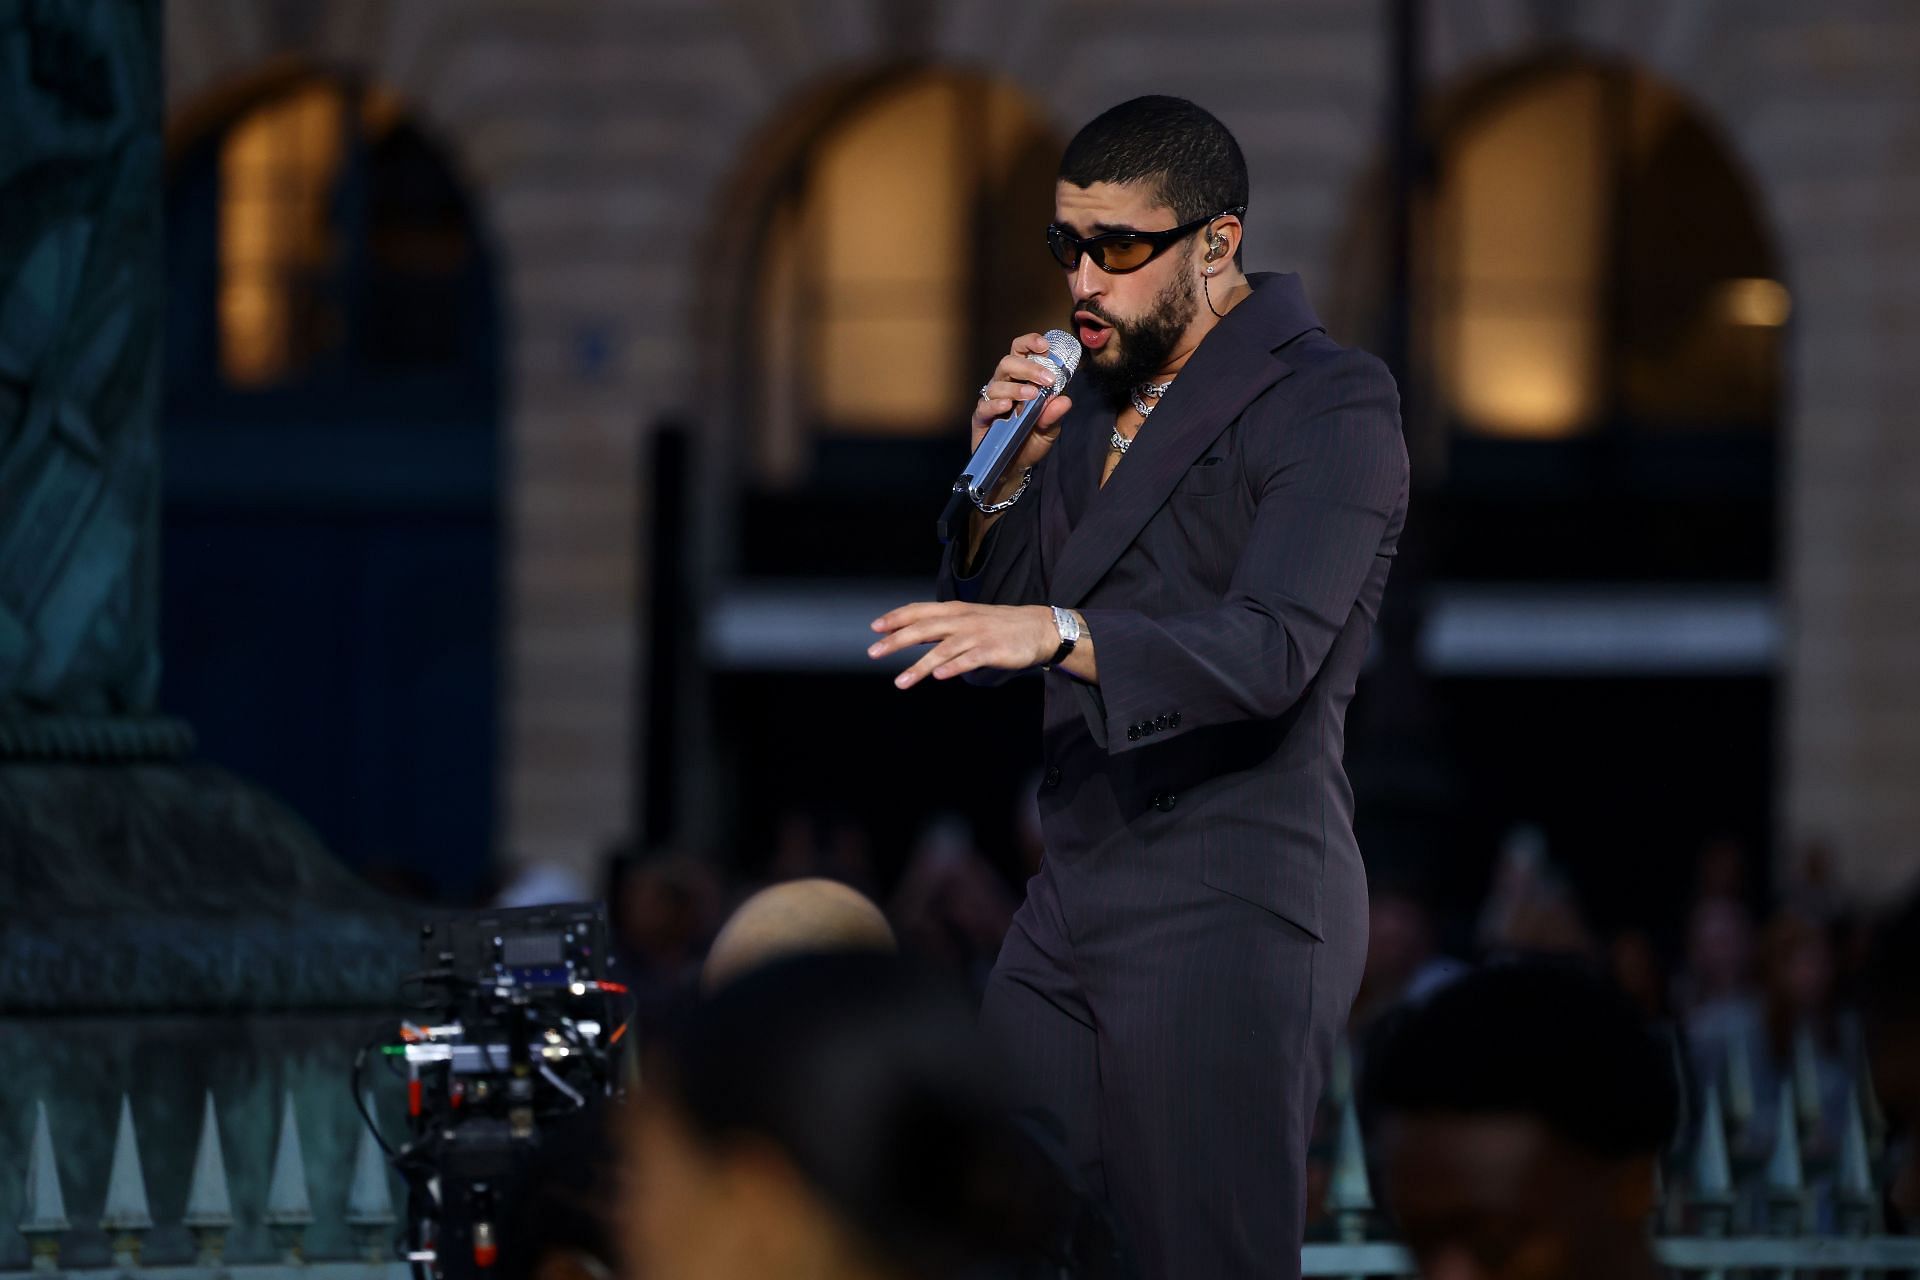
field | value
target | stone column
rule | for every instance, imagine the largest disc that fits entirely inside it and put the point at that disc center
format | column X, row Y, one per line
column 80, row 316
column 166, row 929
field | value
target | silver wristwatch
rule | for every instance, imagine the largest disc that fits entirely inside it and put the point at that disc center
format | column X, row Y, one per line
column 1069, row 624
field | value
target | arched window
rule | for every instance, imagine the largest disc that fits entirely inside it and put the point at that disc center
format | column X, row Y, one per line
column 331, row 251
column 331, row 495
column 1595, row 365
column 903, row 251
column 894, row 244
column 1597, row 263
column 1593, row 376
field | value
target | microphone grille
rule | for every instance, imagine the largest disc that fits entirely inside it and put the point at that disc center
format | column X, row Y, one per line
column 1064, row 349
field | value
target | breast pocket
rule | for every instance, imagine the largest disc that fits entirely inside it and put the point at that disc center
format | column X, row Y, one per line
column 1214, row 474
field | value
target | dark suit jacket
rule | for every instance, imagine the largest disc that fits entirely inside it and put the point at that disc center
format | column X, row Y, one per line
column 1230, row 573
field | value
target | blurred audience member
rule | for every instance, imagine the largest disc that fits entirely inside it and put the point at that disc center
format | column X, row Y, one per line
column 808, row 845
column 1517, row 872
column 1518, row 1116
column 799, row 917
column 557, row 1223
column 1797, row 972
column 1749, row 1036
column 951, row 907
column 1807, row 1035
column 1404, row 961
column 662, row 908
column 834, row 1115
column 1720, row 954
column 1890, row 1011
column 1531, row 908
column 1812, row 890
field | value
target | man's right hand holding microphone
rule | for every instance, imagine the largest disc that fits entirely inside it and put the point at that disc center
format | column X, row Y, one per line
column 1017, row 378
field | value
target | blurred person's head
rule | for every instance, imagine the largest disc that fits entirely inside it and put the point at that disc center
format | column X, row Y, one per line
column 1400, row 935
column 831, row 1115
column 661, row 907
column 951, row 907
column 557, row 1215
column 1401, row 941
column 797, row 917
column 1890, row 1014
column 1720, row 949
column 1549, row 923
column 1151, row 164
column 1798, row 973
column 1518, row 1116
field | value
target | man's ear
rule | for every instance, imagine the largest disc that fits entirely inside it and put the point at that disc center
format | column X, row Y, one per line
column 1223, row 236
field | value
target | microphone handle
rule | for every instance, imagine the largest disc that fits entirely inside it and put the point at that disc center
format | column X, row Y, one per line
column 998, row 448
column 1001, row 445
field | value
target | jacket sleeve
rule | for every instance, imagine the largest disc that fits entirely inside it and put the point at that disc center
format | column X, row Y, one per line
column 1336, row 479
column 1005, row 569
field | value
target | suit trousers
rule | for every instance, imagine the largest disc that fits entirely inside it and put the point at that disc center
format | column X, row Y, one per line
column 1181, row 1037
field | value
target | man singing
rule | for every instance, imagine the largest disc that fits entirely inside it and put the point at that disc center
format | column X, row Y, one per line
column 1192, row 546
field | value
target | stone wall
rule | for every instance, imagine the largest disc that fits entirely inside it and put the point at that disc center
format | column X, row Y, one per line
column 602, row 134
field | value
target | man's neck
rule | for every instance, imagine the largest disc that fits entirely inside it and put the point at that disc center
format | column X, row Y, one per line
column 1225, row 296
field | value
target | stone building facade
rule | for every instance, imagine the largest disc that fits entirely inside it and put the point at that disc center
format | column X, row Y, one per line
column 607, row 140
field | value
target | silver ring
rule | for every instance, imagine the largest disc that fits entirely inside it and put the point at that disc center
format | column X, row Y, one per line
column 983, row 390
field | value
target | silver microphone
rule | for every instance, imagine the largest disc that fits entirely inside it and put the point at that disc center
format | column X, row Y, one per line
column 1001, row 445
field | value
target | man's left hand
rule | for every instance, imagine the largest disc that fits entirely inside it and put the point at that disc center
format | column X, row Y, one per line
column 966, row 637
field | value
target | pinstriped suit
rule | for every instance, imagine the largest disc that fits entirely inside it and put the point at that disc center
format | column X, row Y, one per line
column 1185, row 958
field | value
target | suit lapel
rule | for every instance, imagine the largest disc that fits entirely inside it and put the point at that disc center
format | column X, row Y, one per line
column 1233, row 365
column 1082, row 439
column 1064, row 494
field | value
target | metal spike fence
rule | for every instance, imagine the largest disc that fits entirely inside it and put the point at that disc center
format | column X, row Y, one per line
column 1722, row 1216
column 126, row 1214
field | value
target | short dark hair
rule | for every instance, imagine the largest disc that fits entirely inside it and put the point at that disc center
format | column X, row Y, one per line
column 1541, row 1038
column 1191, row 159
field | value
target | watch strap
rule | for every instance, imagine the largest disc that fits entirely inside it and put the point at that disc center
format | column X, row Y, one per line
column 1069, row 636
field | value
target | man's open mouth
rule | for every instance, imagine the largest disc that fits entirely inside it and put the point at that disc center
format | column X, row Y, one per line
column 1092, row 330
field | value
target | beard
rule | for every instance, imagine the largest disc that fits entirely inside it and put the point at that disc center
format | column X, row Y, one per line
column 1139, row 347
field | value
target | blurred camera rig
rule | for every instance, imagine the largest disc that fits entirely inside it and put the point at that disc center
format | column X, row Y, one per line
column 522, row 1021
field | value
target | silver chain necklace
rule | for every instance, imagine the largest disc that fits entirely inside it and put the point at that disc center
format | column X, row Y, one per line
column 1145, row 397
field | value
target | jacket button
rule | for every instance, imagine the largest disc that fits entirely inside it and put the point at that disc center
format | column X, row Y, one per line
column 1160, row 721
column 1164, row 801
column 1146, row 727
column 1133, row 733
column 1174, row 719
column 1052, row 779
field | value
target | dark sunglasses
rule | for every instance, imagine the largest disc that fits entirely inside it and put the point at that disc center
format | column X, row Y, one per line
column 1119, row 252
